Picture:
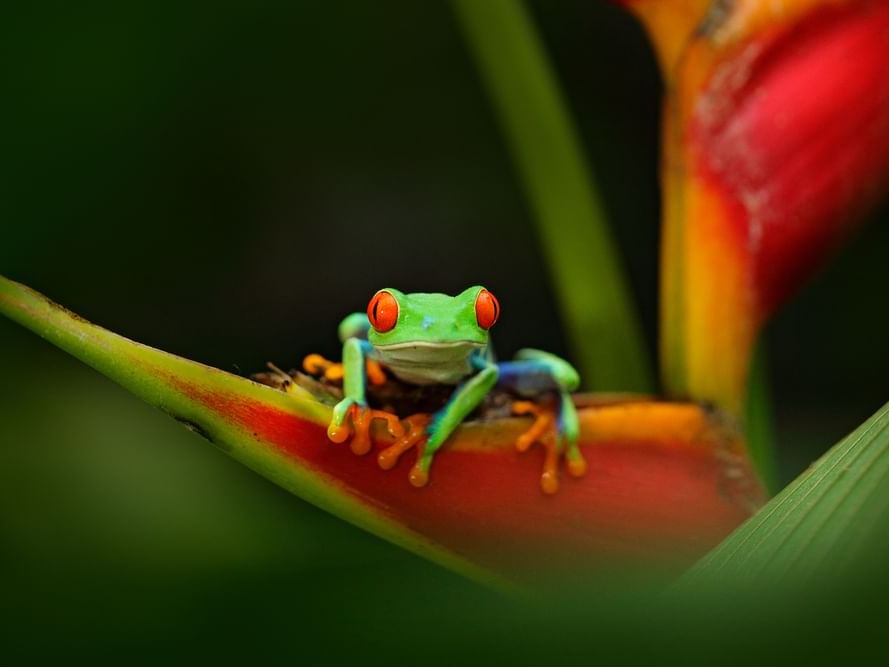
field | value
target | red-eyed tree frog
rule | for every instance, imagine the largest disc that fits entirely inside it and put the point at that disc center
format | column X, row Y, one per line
column 427, row 339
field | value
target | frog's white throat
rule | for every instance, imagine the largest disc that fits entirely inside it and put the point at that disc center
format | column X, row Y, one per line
column 429, row 362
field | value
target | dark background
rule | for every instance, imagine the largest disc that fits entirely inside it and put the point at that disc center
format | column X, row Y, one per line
column 225, row 181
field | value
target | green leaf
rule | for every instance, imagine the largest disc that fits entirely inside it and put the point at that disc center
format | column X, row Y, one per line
column 595, row 300
column 758, row 421
column 831, row 521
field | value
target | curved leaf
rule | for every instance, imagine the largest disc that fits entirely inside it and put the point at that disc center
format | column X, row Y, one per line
column 666, row 481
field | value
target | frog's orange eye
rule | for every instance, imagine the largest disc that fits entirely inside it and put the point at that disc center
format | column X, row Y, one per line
column 487, row 309
column 382, row 311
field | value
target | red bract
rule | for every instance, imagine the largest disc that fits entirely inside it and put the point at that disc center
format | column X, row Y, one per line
column 794, row 129
column 666, row 481
column 776, row 140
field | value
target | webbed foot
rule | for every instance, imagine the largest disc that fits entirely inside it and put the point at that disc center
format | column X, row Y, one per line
column 351, row 418
column 315, row 364
column 546, row 431
column 415, row 436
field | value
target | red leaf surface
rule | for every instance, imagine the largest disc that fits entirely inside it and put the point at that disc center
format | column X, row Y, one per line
column 666, row 481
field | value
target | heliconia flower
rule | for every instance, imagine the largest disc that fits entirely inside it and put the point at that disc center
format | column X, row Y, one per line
column 776, row 140
column 665, row 481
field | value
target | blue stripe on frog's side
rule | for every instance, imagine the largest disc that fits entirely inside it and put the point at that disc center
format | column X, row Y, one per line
column 526, row 378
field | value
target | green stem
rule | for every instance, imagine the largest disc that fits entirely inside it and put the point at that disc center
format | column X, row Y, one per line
column 595, row 301
column 758, row 422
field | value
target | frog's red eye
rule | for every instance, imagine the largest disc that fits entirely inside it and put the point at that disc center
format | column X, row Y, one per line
column 487, row 309
column 382, row 311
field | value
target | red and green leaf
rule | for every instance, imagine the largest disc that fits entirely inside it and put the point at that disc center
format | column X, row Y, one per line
column 666, row 481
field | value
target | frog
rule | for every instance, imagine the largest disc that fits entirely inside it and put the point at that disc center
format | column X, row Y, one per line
column 433, row 338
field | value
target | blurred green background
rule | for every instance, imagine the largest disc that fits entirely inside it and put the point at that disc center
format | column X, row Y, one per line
column 225, row 181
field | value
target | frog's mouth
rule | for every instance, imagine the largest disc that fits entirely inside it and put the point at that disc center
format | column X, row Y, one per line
column 424, row 362
column 428, row 350
column 426, row 344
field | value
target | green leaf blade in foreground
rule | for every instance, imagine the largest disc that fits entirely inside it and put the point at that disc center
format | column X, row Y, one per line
column 594, row 297
column 832, row 520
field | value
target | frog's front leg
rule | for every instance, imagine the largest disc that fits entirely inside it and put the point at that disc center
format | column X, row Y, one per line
column 535, row 373
column 351, row 416
column 438, row 429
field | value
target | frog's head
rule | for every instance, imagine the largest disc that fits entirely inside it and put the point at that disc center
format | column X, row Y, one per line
column 431, row 321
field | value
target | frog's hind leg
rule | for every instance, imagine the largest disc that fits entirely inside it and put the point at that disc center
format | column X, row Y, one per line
column 536, row 374
column 541, row 432
column 569, row 428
